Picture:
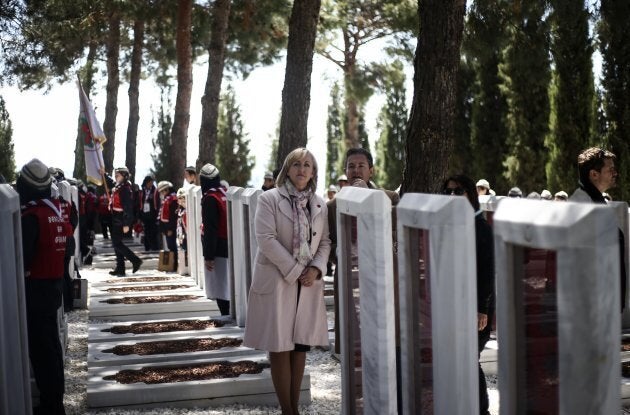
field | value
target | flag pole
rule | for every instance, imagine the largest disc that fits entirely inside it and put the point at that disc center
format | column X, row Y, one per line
column 98, row 143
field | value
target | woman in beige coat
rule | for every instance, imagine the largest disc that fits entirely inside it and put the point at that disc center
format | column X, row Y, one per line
column 286, row 313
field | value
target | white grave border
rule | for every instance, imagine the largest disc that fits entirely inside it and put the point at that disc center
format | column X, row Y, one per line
column 450, row 223
column 249, row 245
column 585, row 238
column 234, row 212
column 372, row 208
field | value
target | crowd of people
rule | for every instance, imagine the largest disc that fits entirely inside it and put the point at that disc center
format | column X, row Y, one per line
column 296, row 233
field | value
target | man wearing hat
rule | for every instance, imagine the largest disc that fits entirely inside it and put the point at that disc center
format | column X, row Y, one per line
column 121, row 206
column 342, row 181
column 332, row 191
column 269, row 182
column 214, row 237
column 515, row 192
column 561, row 196
column 45, row 231
column 190, row 176
column 483, row 187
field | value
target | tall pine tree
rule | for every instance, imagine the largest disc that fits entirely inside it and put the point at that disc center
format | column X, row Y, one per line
column 233, row 158
column 526, row 74
column 7, row 154
column 484, row 39
column 334, row 136
column 572, row 118
column 614, row 35
column 390, row 147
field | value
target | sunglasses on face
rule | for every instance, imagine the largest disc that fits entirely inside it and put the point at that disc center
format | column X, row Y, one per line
column 458, row 191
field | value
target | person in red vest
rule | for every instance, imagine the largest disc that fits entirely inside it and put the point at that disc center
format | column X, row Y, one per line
column 214, row 237
column 45, row 230
column 121, row 206
column 168, row 215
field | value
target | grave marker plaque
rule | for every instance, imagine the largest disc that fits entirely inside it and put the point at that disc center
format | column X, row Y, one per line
column 234, row 213
column 366, row 296
column 438, row 311
column 15, row 389
column 193, row 234
column 557, row 308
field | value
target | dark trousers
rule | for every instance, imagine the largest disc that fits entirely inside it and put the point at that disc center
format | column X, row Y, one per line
column 106, row 223
column 483, row 336
column 83, row 236
column 43, row 298
column 121, row 250
column 151, row 235
column 171, row 245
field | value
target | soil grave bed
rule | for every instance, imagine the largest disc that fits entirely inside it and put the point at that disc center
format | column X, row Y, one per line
column 140, row 279
column 216, row 370
column 150, row 299
column 255, row 389
column 174, row 346
column 164, row 326
column 146, row 288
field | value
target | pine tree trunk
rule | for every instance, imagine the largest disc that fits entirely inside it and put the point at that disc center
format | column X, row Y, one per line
column 86, row 82
column 296, row 94
column 113, row 81
column 210, row 99
column 430, row 130
column 181, row 119
column 351, row 116
column 134, row 107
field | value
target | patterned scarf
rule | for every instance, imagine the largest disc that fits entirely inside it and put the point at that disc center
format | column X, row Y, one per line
column 301, row 223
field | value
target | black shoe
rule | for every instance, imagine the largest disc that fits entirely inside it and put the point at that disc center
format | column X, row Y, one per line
column 136, row 266
column 118, row 272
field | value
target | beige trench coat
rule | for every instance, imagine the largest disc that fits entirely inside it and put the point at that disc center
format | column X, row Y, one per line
column 275, row 320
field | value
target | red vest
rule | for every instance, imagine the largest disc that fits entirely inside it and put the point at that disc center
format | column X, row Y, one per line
column 103, row 205
column 54, row 229
column 82, row 203
column 219, row 196
column 165, row 212
column 116, row 202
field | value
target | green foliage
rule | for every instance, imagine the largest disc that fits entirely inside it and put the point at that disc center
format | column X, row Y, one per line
column 461, row 160
column 161, row 125
column 390, row 147
column 364, row 140
column 482, row 104
column 614, row 36
column 334, row 136
column 233, row 159
column 271, row 164
column 7, row 154
column 526, row 76
column 572, row 117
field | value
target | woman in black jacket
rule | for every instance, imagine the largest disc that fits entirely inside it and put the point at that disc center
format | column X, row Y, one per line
column 461, row 185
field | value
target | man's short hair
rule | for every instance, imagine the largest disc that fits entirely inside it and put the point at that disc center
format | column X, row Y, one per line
column 191, row 170
column 360, row 150
column 593, row 158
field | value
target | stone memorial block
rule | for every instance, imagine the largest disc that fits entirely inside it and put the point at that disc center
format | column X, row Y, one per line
column 621, row 211
column 557, row 307
column 249, row 202
column 234, row 213
column 15, row 388
column 193, row 234
column 366, row 296
column 78, row 261
column 437, row 284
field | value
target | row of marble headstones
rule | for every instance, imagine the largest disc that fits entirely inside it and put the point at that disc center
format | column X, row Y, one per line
column 15, row 384
column 241, row 208
column 558, row 325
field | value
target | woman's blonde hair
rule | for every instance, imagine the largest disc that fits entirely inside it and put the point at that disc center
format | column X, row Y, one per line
column 292, row 157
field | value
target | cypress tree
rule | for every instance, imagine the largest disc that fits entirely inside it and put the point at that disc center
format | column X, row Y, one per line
column 526, row 76
column 334, row 135
column 572, row 117
column 7, row 154
column 390, row 147
column 614, row 35
column 461, row 161
column 233, row 158
column 484, row 39
column 162, row 123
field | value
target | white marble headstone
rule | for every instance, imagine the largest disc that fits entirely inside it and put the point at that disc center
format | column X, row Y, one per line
column 249, row 246
column 585, row 240
column 74, row 193
column 372, row 209
column 621, row 211
column 15, row 389
column 451, row 269
column 238, row 304
column 193, row 234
